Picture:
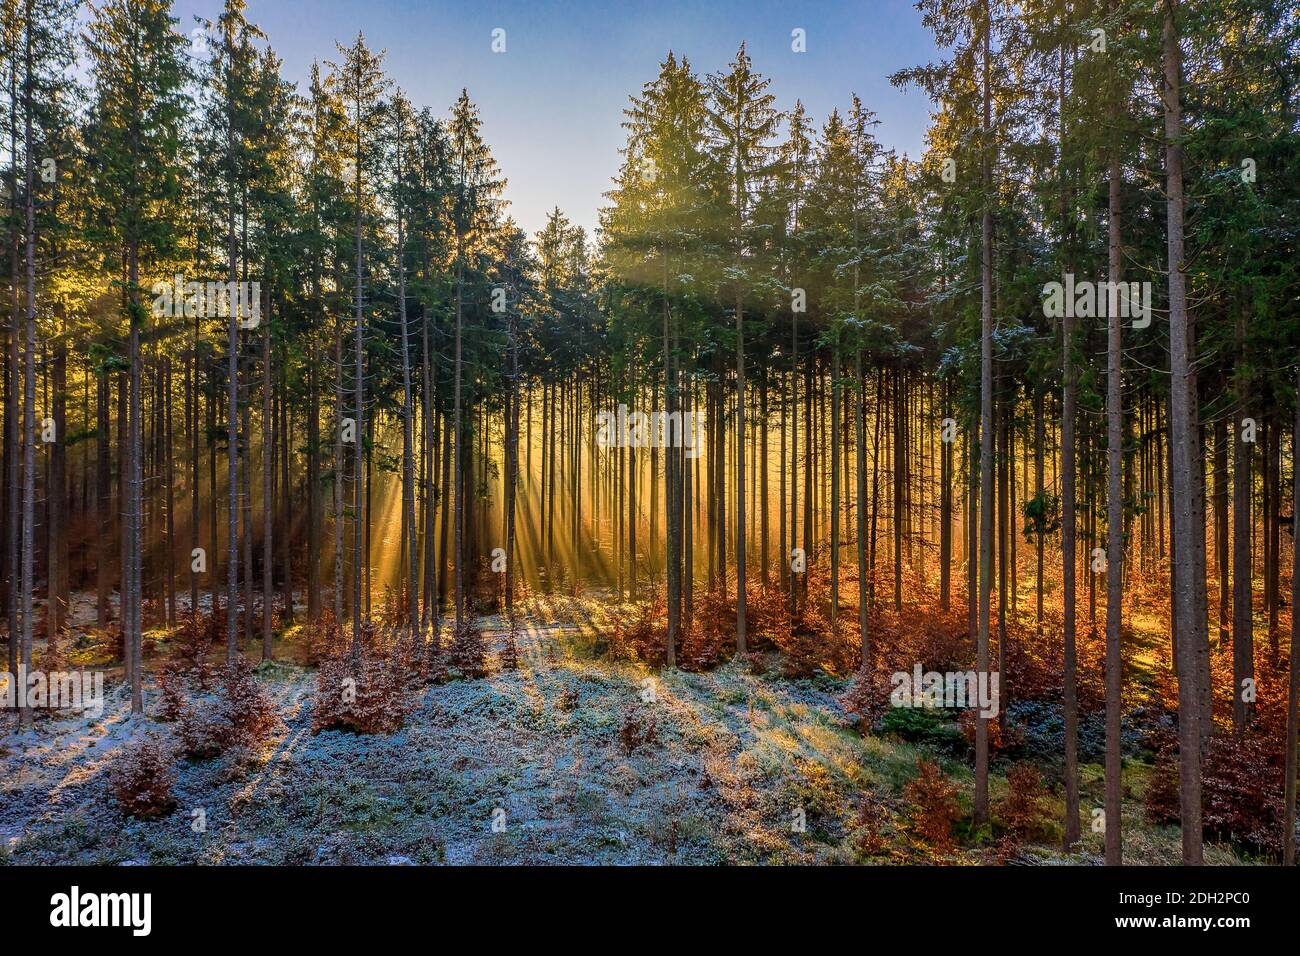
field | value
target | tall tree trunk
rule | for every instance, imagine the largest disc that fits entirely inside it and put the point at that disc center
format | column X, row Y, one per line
column 268, row 493
column 764, row 505
column 313, row 484
column 232, row 385
column 512, row 464
column 860, row 508
column 981, row 805
column 793, row 405
column 1039, row 492
column 810, row 459
column 26, row 585
column 672, row 452
column 339, row 465
column 1293, row 696
column 429, row 440
column 246, row 506
column 1069, row 559
column 408, row 420
column 1114, row 521
column 740, row 436
column 946, row 486
column 1185, row 445
column 1221, row 432
column 835, row 482
column 103, row 503
column 1243, row 644
column 192, row 400
column 285, row 541
column 169, row 479
column 458, row 431
column 14, row 437
column 359, row 409
column 56, row 496
column 132, row 598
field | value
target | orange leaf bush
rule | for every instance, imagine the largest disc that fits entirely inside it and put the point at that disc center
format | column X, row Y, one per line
column 142, row 778
column 934, row 805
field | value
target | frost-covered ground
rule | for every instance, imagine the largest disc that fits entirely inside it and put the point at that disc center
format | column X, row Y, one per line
column 736, row 761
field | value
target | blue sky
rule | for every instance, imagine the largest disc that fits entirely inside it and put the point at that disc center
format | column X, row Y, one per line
column 551, row 104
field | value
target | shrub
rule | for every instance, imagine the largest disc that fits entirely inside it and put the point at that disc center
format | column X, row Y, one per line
column 1241, row 789
column 152, row 612
column 1160, row 801
column 1043, row 725
column 873, row 818
column 54, row 658
column 216, row 624
column 1003, row 734
column 204, row 732
column 802, row 649
column 371, row 697
column 433, row 667
column 707, row 639
column 859, row 700
column 390, row 613
column 934, row 805
column 637, row 730
column 171, row 687
column 923, row 725
column 142, row 778
column 324, row 637
column 382, row 695
column 508, row 659
column 641, row 635
column 698, row 650
column 191, row 642
column 245, row 704
column 467, row 654
column 1006, row 851
column 242, row 715
column 336, row 687
column 1022, row 810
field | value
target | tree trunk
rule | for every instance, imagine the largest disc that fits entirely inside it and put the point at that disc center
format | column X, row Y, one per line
column 268, row 493
column 359, row 409
column 26, row 584
column 408, row 422
column 860, row 509
column 458, row 431
column 232, row 385
column 981, row 804
column 1185, row 444
column 1293, row 696
column 1114, row 524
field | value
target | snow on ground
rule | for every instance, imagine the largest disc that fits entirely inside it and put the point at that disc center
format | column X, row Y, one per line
column 734, row 757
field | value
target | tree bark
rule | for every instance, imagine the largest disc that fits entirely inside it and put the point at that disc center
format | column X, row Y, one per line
column 1114, row 523
column 1185, row 444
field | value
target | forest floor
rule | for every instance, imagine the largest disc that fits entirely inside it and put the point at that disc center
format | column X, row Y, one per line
column 733, row 762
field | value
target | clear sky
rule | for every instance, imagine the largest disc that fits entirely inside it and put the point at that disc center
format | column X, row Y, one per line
column 551, row 104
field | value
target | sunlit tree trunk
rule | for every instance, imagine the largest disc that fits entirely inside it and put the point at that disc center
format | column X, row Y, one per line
column 1114, row 521
column 268, row 494
column 1293, row 696
column 981, row 807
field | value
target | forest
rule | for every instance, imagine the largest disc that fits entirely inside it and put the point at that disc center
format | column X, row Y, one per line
column 822, row 505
